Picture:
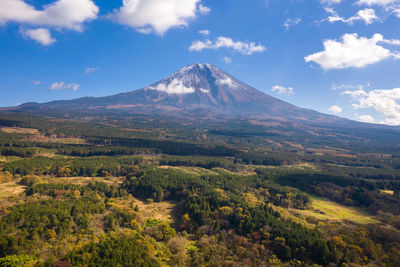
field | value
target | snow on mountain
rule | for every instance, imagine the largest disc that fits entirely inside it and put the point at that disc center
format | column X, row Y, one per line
column 194, row 78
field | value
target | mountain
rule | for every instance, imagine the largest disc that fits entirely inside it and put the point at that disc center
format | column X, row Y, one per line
column 200, row 90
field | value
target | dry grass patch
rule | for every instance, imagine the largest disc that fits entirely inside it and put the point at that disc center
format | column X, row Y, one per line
column 326, row 210
column 55, row 139
column 20, row 130
column 157, row 210
column 9, row 195
column 11, row 189
column 85, row 180
column 197, row 171
column 388, row 192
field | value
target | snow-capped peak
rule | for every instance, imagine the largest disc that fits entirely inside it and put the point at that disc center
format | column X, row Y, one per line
column 200, row 78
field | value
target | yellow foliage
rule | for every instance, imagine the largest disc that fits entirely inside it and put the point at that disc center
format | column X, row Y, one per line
column 77, row 193
column 135, row 225
column 52, row 234
column 225, row 210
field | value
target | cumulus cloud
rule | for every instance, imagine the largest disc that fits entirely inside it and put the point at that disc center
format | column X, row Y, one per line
column 90, row 70
column 174, row 87
column 385, row 102
column 60, row 14
column 64, row 86
column 335, row 109
column 391, row 6
column 282, row 90
column 204, row 32
column 351, row 51
column 244, row 48
column 158, row 16
column 367, row 15
column 291, row 22
column 69, row 14
column 41, row 35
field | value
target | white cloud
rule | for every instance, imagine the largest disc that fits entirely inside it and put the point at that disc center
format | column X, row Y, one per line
column 174, row 87
column 64, row 86
column 90, row 70
column 226, row 81
column 204, row 32
column 227, row 60
column 203, row 9
column 69, row 14
column 391, row 42
column 377, row 2
column 244, row 48
column 37, row 82
column 291, row 22
column 158, row 16
column 352, row 51
column 367, row 15
column 41, row 35
column 331, row 2
column 346, row 86
column 366, row 118
column 282, row 90
column 396, row 11
column 335, row 109
column 391, row 6
column 385, row 102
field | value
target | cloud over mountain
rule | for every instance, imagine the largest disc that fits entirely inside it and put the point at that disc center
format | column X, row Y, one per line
column 157, row 16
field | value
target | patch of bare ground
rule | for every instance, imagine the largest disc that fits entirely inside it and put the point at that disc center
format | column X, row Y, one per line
column 9, row 194
column 36, row 136
column 85, row 180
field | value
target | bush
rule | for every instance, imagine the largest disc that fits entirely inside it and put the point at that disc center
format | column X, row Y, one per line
column 17, row 260
column 30, row 180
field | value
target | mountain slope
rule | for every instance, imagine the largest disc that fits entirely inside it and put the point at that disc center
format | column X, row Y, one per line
column 200, row 89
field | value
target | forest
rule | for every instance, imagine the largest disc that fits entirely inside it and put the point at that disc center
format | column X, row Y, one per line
column 100, row 194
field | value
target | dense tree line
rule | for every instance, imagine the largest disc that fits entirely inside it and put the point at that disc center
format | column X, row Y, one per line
column 68, row 167
column 115, row 251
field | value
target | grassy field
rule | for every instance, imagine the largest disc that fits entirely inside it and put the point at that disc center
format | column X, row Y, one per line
column 19, row 130
column 326, row 210
column 36, row 136
column 10, row 189
column 389, row 192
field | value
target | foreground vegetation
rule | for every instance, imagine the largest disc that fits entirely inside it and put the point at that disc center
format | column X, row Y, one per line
column 80, row 194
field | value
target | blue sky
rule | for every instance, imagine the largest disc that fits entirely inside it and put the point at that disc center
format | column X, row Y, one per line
column 336, row 56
